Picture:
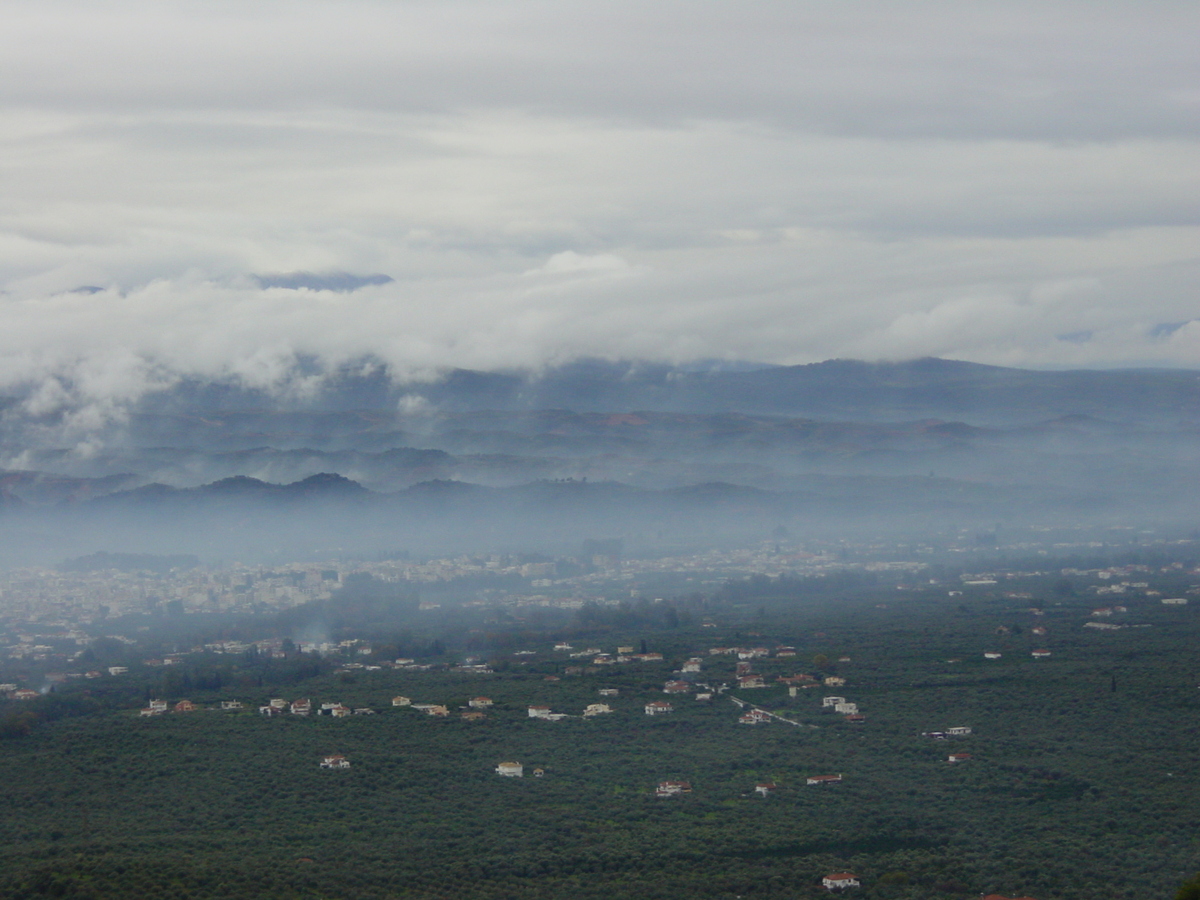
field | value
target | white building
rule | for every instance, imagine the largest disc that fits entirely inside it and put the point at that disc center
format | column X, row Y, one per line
column 510, row 770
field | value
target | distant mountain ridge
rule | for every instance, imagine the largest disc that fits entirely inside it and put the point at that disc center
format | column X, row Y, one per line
column 842, row 389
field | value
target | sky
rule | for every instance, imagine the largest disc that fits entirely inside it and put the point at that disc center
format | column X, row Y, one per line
column 1015, row 183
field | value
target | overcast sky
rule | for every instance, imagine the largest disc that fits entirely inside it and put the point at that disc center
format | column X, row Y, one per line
column 1004, row 182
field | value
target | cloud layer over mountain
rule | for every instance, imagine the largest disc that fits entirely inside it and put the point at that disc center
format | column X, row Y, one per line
column 1011, row 183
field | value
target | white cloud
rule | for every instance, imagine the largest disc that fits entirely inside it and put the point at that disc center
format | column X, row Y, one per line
column 779, row 182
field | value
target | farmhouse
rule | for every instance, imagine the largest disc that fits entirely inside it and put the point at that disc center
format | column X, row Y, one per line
column 228, row 704
column 754, row 717
column 540, row 712
column 401, row 701
column 479, row 703
column 301, row 707
column 840, row 880
column 823, row 779
column 958, row 757
column 764, row 788
column 658, row 708
column 672, row 788
column 597, row 709
column 676, row 687
column 510, row 770
column 832, row 701
column 335, row 762
column 846, row 708
column 185, row 706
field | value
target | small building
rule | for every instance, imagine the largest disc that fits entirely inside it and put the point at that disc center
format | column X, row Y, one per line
column 840, row 881
column 676, row 687
column 596, row 709
column 856, row 718
column 846, row 708
column 764, row 789
column 834, row 681
column 339, row 712
column 659, row 708
column 278, row 703
column 473, row 715
column 992, row 654
column 959, row 730
column 230, row 704
column 958, row 757
column 185, row 706
column 1040, row 654
column 510, row 770
column 540, row 712
column 401, row 701
column 158, row 704
column 832, row 701
column 754, row 717
column 608, row 692
column 747, row 682
column 692, row 666
column 704, row 696
column 823, row 779
column 539, row 773
column 436, row 709
column 672, row 788
column 121, row 670
column 301, row 707
column 1174, row 601
column 479, row 703
column 364, row 711
column 269, row 710
column 335, row 762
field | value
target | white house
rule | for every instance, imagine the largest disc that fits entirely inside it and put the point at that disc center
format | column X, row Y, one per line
column 658, row 708
column 1174, row 601
column 401, row 701
column 479, row 703
column 991, row 654
column 832, row 701
column 1040, row 654
column 823, row 779
column 840, row 880
column 846, row 708
column 158, row 704
column 765, row 788
column 959, row 729
column 335, row 762
column 597, row 709
column 540, row 712
column 510, row 770
column 608, row 692
column 672, row 788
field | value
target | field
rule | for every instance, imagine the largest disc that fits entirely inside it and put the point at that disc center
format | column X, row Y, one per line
column 1082, row 780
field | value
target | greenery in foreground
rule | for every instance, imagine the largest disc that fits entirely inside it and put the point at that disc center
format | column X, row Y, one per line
column 1082, row 784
